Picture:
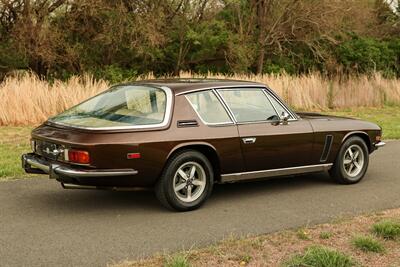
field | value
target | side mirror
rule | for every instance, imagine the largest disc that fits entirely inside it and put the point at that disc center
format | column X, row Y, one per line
column 284, row 120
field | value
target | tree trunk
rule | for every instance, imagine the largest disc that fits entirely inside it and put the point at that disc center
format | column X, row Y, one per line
column 261, row 25
column 179, row 59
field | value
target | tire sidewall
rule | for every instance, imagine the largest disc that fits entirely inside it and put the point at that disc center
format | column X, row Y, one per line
column 169, row 174
column 349, row 142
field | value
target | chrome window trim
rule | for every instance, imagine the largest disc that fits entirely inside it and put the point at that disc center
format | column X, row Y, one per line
column 232, row 122
column 273, row 94
column 165, row 122
column 227, row 108
column 269, row 96
column 272, row 104
column 248, row 122
column 266, row 90
column 222, row 87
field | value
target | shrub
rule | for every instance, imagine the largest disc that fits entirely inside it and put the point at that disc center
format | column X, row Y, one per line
column 245, row 259
column 303, row 234
column 177, row 261
column 115, row 74
column 366, row 55
column 325, row 235
column 368, row 244
column 321, row 257
column 387, row 229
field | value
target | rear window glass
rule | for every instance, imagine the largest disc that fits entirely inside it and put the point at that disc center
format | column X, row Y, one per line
column 120, row 106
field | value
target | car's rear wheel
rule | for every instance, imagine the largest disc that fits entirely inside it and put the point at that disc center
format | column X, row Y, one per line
column 351, row 163
column 186, row 181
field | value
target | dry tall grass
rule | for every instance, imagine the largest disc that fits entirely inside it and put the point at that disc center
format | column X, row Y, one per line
column 27, row 100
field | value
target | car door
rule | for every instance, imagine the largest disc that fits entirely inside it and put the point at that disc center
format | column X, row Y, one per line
column 266, row 143
column 217, row 129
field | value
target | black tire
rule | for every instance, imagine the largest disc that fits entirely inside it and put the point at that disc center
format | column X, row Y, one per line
column 339, row 172
column 164, row 188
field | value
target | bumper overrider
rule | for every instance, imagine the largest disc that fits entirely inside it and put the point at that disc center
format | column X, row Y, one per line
column 32, row 163
column 379, row 144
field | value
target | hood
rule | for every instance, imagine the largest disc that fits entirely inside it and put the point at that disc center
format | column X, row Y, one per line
column 318, row 116
column 337, row 122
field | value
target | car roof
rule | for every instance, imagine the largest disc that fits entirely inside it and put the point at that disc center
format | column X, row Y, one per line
column 185, row 85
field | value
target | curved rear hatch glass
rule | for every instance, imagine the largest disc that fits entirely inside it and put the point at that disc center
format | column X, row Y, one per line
column 120, row 107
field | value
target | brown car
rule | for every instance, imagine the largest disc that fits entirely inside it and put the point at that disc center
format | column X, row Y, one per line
column 182, row 136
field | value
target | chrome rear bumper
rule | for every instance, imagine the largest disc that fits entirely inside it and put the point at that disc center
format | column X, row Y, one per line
column 34, row 164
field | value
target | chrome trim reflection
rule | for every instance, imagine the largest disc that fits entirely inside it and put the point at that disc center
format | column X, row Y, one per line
column 232, row 177
column 226, row 107
column 221, row 87
column 55, row 169
column 379, row 144
column 113, row 188
column 75, row 186
column 268, row 99
column 103, row 173
column 269, row 94
column 37, row 164
column 262, row 86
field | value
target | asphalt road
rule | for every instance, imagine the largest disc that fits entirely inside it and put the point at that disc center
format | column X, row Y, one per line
column 43, row 225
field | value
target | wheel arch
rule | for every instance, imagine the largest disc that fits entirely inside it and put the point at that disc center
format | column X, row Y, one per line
column 363, row 135
column 206, row 149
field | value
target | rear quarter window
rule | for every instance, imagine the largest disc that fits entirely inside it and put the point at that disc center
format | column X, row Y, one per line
column 208, row 107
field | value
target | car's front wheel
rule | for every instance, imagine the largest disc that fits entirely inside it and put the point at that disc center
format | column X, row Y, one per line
column 352, row 161
column 186, row 182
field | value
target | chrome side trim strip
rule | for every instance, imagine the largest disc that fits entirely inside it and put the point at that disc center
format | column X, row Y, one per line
column 232, row 177
column 113, row 188
column 74, row 186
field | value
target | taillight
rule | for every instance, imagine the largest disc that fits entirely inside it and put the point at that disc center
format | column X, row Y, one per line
column 78, row 156
column 134, row 156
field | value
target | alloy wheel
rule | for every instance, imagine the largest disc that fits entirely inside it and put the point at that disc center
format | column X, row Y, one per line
column 189, row 181
column 353, row 161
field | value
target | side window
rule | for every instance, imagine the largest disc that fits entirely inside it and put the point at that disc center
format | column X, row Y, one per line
column 278, row 106
column 208, row 107
column 249, row 105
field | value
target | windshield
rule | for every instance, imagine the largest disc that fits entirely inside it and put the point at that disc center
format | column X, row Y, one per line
column 124, row 106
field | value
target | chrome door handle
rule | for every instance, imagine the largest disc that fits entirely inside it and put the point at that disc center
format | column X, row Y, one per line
column 249, row 140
